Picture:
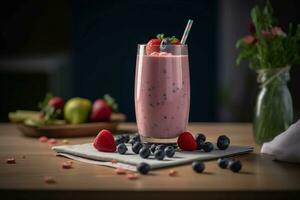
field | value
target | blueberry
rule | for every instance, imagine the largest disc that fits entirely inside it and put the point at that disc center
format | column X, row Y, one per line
column 121, row 148
column 200, row 138
column 136, row 147
column 169, row 151
column 208, row 147
column 136, row 138
column 152, row 148
column 165, row 45
column 144, row 152
column 159, row 154
column 198, row 166
column 235, row 165
column 223, row 163
column 126, row 138
column 223, row 142
column 119, row 140
column 160, row 146
column 143, row 168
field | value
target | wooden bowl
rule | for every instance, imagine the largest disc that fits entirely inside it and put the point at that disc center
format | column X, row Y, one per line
column 72, row 130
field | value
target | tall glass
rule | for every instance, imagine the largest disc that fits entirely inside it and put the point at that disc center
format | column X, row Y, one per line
column 162, row 93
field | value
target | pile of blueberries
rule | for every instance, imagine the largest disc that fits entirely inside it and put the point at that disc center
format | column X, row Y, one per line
column 222, row 143
column 144, row 150
column 161, row 151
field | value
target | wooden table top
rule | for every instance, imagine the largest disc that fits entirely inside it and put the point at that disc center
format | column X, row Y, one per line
column 261, row 177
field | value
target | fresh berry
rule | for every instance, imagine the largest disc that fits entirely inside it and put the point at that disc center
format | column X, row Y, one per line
column 169, row 151
column 235, row 165
column 186, row 142
column 153, row 148
column 144, row 152
column 56, row 102
column 143, row 168
column 160, row 147
column 208, row 147
column 126, row 138
column 153, row 46
column 136, row 138
column 165, row 45
column 159, row 154
column 198, row 166
column 200, row 138
column 104, row 141
column 101, row 111
column 223, row 142
column 121, row 148
column 136, row 147
column 119, row 139
column 223, row 163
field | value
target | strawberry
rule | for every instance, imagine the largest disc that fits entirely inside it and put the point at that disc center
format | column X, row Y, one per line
column 153, row 46
column 100, row 111
column 56, row 102
column 187, row 142
column 105, row 141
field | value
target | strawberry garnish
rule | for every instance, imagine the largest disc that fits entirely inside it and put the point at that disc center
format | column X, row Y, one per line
column 187, row 142
column 153, row 46
column 105, row 141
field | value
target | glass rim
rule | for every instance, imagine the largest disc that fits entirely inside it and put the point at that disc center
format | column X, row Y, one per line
column 177, row 45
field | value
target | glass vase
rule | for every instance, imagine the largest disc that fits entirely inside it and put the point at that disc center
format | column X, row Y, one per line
column 274, row 107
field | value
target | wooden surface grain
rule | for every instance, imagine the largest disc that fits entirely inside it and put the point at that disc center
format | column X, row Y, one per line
column 261, row 177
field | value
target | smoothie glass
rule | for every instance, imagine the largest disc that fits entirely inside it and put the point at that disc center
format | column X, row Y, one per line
column 162, row 93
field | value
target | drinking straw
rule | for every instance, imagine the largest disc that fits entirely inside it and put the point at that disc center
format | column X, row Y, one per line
column 186, row 31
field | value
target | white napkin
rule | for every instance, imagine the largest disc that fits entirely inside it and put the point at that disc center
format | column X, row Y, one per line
column 286, row 146
column 88, row 154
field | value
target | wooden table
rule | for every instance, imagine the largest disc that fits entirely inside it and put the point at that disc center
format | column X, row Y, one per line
column 260, row 178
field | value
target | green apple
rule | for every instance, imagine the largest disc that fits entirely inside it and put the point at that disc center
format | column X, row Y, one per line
column 77, row 110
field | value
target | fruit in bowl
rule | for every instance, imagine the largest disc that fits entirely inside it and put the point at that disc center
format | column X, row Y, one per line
column 77, row 110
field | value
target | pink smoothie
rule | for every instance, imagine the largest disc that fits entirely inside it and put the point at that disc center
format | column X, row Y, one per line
column 162, row 95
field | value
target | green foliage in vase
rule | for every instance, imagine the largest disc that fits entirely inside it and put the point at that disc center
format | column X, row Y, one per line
column 268, row 46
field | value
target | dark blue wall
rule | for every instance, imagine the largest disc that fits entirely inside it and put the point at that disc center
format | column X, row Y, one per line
column 105, row 38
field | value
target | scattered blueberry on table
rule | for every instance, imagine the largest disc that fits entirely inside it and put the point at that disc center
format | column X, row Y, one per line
column 235, row 165
column 198, row 166
column 143, row 168
column 170, row 151
column 144, row 152
column 223, row 163
column 223, row 142
column 159, row 154
column 121, row 148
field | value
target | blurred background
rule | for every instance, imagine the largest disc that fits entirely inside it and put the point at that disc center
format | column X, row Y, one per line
column 88, row 48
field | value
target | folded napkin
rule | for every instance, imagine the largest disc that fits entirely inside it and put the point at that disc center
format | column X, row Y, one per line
column 88, row 154
column 286, row 146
